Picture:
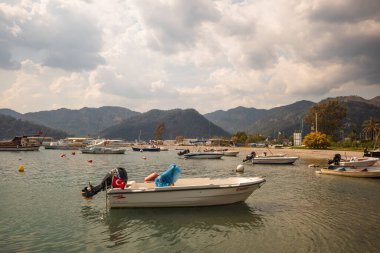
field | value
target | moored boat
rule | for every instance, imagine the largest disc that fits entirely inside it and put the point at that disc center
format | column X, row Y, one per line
column 230, row 153
column 203, row 155
column 146, row 149
column 19, row 143
column 166, row 190
column 353, row 161
column 102, row 150
column 349, row 171
column 271, row 159
column 185, row 192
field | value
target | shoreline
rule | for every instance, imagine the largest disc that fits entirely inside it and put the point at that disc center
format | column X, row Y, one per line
column 302, row 153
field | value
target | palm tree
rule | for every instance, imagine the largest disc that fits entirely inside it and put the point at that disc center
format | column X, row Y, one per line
column 371, row 126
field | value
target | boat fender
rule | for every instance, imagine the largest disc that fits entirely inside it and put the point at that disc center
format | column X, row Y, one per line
column 151, row 177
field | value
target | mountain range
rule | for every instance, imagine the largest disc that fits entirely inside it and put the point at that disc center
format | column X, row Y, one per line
column 119, row 122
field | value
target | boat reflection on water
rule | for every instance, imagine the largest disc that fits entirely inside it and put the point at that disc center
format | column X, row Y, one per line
column 147, row 228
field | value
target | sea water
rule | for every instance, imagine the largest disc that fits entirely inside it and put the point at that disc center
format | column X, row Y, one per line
column 297, row 210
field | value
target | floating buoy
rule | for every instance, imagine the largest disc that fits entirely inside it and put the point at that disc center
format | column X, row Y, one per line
column 240, row 168
column 63, row 155
column 143, row 157
column 89, row 161
column 20, row 168
column 313, row 165
column 73, row 153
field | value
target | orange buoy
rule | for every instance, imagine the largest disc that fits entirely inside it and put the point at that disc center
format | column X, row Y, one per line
column 89, row 161
column 151, row 177
column 73, row 153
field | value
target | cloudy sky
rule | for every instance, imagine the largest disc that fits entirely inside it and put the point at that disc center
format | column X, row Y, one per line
column 200, row 54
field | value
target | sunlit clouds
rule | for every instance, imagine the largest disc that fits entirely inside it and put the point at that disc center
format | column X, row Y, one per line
column 206, row 55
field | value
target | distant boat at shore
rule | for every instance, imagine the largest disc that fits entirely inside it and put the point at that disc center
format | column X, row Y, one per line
column 19, row 143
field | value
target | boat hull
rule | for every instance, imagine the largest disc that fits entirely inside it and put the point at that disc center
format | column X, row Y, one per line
column 373, row 172
column 36, row 148
column 203, row 155
column 369, row 161
column 146, row 149
column 230, row 153
column 274, row 160
column 115, row 152
column 183, row 196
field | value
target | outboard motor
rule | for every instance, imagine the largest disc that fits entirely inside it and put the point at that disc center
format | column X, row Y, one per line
column 250, row 156
column 335, row 160
column 111, row 177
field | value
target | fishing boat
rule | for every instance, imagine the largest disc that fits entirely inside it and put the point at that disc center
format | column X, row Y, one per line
column 271, row 159
column 200, row 154
column 19, row 143
column 185, row 192
column 351, row 171
column 356, row 161
column 167, row 190
column 102, row 150
column 230, row 153
column 275, row 160
column 353, row 161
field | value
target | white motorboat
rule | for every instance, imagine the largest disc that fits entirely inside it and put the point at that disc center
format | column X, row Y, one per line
column 347, row 171
column 274, row 160
column 270, row 159
column 102, row 150
column 230, row 153
column 355, row 161
column 203, row 155
column 185, row 192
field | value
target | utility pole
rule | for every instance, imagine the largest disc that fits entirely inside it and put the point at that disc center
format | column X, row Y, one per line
column 316, row 122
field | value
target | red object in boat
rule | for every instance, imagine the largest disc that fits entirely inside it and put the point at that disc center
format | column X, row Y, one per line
column 151, row 177
column 118, row 183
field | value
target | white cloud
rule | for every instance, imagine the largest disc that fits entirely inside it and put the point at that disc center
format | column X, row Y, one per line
column 201, row 54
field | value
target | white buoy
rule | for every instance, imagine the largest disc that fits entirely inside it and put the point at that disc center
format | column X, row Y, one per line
column 240, row 168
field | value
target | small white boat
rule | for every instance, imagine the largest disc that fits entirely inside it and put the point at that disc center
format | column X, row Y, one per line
column 355, row 161
column 203, row 155
column 102, row 150
column 270, row 159
column 274, row 160
column 369, row 172
column 230, row 153
column 185, row 192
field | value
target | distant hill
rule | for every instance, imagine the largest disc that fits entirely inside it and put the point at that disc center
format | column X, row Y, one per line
column 10, row 127
column 287, row 119
column 11, row 113
column 83, row 122
column 358, row 111
column 236, row 119
column 284, row 119
column 188, row 123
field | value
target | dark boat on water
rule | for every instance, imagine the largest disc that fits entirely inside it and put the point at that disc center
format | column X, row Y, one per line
column 20, row 143
column 146, row 149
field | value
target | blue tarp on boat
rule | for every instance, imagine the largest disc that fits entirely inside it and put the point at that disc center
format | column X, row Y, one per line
column 169, row 176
